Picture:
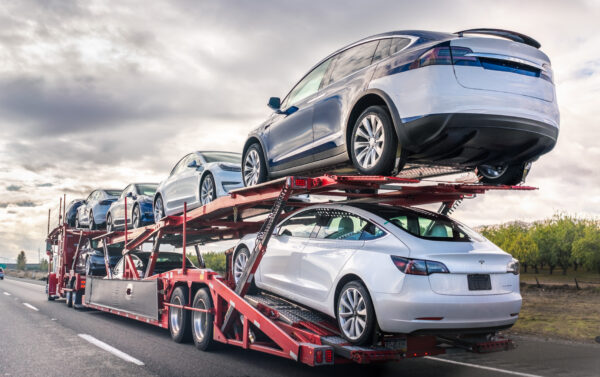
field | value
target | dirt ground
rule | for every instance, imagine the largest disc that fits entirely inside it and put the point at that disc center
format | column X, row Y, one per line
column 559, row 312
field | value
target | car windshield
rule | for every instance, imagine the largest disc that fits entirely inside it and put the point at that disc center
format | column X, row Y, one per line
column 234, row 158
column 146, row 189
column 113, row 192
column 425, row 224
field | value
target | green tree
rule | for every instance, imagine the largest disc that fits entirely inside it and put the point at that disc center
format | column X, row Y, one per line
column 21, row 261
column 587, row 248
column 44, row 265
column 525, row 250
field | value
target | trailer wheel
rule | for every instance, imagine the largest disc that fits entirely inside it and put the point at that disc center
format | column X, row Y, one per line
column 48, row 295
column 202, row 323
column 76, row 297
column 69, row 297
column 179, row 320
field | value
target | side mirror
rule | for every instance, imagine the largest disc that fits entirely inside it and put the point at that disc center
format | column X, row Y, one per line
column 274, row 103
column 129, row 194
column 192, row 164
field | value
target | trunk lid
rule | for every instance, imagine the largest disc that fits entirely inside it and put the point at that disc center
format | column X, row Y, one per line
column 504, row 66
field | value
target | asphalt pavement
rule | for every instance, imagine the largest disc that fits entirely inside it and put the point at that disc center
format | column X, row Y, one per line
column 40, row 337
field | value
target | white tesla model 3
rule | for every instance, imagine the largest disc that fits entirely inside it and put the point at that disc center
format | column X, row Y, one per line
column 398, row 269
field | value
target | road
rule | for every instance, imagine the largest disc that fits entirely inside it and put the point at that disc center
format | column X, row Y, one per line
column 40, row 337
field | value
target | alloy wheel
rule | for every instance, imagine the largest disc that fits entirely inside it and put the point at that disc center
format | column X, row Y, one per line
column 159, row 211
column 252, row 168
column 368, row 141
column 136, row 217
column 352, row 313
column 240, row 263
column 109, row 224
column 207, row 191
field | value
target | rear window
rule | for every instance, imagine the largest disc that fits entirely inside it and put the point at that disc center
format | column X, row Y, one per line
column 148, row 190
column 425, row 224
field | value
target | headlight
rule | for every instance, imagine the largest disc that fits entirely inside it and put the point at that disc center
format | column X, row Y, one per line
column 513, row 266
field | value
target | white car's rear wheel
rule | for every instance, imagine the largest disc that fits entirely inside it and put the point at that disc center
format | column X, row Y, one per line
column 355, row 314
column 239, row 263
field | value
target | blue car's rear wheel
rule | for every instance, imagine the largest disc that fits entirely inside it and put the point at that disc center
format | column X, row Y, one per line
column 374, row 142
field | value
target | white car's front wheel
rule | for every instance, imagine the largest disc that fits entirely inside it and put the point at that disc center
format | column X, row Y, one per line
column 355, row 314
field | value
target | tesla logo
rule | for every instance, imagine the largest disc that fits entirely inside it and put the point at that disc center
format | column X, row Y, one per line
column 481, row 261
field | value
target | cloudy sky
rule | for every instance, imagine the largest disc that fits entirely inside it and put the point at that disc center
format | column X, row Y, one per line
column 96, row 95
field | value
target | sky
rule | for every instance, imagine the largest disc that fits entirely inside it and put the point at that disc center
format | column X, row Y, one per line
column 101, row 94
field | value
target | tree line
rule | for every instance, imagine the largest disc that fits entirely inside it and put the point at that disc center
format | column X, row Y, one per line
column 562, row 241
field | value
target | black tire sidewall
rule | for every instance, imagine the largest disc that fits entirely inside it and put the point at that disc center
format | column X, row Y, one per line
column 184, row 329
column 513, row 175
column 367, row 336
column 91, row 224
column 136, row 224
column 214, row 186
column 206, row 342
column 386, row 162
column 263, row 176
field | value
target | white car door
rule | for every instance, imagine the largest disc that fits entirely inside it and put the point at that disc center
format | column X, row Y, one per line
column 187, row 182
column 171, row 198
column 337, row 237
column 280, row 267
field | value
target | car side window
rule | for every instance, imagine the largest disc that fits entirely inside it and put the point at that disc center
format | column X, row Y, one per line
column 398, row 44
column 342, row 225
column 125, row 191
column 308, row 86
column 353, row 59
column 91, row 197
column 383, row 49
column 300, row 225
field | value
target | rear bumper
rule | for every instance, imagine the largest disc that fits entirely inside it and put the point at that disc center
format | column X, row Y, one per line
column 398, row 313
column 471, row 139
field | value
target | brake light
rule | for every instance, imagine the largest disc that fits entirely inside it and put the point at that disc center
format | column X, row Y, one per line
column 434, row 56
column 419, row 266
column 319, row 357
column 329, row 356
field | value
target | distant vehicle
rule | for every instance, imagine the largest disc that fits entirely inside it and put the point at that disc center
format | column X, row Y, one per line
column 139, row 207
column 71, row 211
column 401, row 270
column 91, row 259
column 198, row 178
column 460, row 100
column 1, row 274
column 92, row 212
column 166, row 261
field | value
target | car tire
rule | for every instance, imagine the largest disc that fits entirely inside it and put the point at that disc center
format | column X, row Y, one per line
column 159, row 209
column 254, row 167
column 512, row 175
column 76, row 300
column 136, row 219
column 109, row 223
column 353, row 308
column 49, row 297
column 239, row 261
column 373, row 148
column 203, row 322
column 77, row 225
column 179, row 318
column 208, row 189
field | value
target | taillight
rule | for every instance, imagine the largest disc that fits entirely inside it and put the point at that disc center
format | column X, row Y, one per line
column 419, row 266
column 319, row 357
column 434, row 56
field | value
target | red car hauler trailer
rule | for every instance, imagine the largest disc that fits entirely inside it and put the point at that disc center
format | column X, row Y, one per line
column 200, row 304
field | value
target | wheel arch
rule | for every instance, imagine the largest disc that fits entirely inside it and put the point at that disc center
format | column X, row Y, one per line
column 372, row 97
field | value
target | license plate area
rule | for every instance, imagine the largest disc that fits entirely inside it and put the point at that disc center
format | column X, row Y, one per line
column 479, row 282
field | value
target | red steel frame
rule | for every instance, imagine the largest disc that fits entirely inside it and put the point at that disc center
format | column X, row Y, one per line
column 234, row 215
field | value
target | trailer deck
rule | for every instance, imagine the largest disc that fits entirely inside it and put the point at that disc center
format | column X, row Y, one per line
column 262, row 322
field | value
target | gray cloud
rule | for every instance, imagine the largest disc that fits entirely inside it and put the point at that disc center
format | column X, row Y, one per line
column 13, row 188
column 47, row 184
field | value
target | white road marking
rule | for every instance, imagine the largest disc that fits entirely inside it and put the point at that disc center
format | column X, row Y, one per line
column 31, row 307
column 6, row 293
column 111, row 349
column 482, row 367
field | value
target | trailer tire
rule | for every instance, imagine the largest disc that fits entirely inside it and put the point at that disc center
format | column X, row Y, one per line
column 69, row 297
column 48, row 295
column 179, row 319
column 76, row 299
column 203, row 323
